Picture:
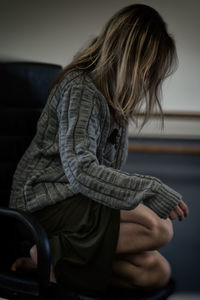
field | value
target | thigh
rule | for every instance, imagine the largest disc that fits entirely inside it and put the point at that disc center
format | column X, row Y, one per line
column 142, row 230
column 134, row 238
column 142, row 215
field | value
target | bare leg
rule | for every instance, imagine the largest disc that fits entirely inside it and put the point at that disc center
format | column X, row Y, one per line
column 33, row 254
column 142, row 230
column 147, row 270
column 23, row 263
column 137, row 262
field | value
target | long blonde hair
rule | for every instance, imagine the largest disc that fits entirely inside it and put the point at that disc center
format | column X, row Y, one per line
column 130, row 59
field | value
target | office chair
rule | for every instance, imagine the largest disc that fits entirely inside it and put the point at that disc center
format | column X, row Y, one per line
column 24, row 91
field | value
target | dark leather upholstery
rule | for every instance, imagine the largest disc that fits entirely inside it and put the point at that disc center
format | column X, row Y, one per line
column 24, row 91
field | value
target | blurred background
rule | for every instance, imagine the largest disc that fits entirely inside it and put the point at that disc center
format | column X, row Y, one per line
column 53, row 31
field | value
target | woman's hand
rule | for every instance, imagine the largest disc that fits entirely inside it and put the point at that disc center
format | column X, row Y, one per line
column 181, row 210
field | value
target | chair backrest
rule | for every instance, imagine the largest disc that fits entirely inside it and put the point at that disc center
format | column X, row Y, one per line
column 24, row 91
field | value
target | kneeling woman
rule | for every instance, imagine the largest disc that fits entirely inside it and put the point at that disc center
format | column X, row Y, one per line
column 104, row 225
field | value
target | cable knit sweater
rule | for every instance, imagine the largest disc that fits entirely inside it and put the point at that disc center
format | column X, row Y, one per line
column 79, row 148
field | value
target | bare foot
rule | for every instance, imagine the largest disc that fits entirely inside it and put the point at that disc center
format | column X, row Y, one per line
column 30, row 264
column 23, row 263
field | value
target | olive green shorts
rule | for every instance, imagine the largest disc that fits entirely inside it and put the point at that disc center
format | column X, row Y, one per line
column 83, row 236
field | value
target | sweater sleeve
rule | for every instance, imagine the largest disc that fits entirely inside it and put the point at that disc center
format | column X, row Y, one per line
column 79, row 132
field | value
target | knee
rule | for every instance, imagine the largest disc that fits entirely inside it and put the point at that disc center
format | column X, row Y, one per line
column 162, row 231
column 165, row 274
column 162, row 273
column 158, row 272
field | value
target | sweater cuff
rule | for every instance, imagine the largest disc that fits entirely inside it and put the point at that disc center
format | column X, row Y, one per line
column 164, row 201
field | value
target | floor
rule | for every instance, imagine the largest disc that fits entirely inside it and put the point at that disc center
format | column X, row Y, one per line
column 174, row 297
column 185, row 297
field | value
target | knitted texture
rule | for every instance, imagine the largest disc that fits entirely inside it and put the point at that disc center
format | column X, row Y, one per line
column 79, row 148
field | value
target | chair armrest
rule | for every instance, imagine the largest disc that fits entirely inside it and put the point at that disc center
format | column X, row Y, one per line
column 40, row 239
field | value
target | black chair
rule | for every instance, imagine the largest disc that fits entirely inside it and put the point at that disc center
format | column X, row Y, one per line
column 11, row 284
column 24, row 91
column 24, row 88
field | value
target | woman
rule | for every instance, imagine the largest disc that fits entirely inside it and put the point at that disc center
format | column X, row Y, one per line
column 104, row 225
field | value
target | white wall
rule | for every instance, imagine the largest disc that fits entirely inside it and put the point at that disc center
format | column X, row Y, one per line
column 52, row 31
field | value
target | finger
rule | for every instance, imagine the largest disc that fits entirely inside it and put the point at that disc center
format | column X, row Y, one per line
column 184, row 207
column 172, row 215
column 180, row 213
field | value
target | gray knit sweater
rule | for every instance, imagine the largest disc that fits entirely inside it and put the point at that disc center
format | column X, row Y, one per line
column 79, row 148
